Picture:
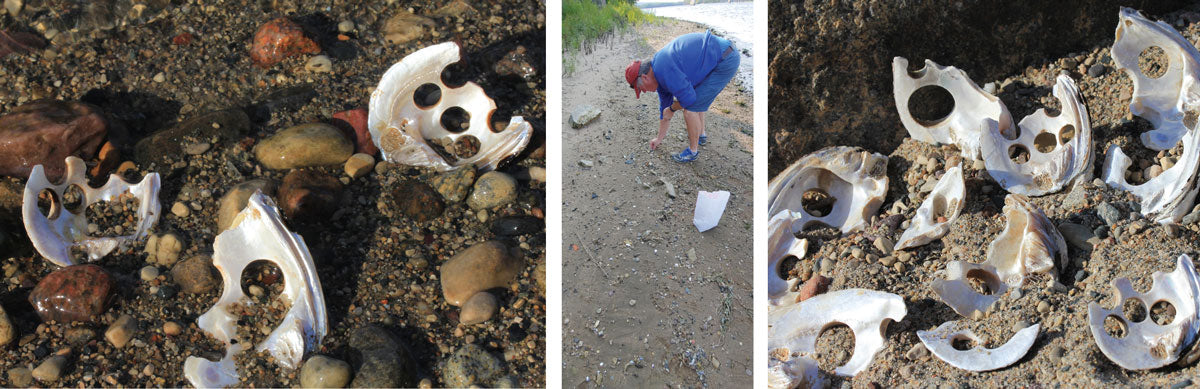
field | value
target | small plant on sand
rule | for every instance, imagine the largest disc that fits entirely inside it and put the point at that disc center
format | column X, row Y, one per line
column 585, row 21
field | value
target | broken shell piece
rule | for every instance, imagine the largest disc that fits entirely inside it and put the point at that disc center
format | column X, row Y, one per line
column 1029, row 243
column 799, row 372
column 259, row 234
column 956, row 290
column 1147, row 345
column 1059, row 148
column 975, row 111
column 403, row 128
column 783, row 244
column 796, row 327
column 54, row 236
column 940, row 342
column 946, row 200
column 854, row 178
column 1167, row 197
column 1162, row 100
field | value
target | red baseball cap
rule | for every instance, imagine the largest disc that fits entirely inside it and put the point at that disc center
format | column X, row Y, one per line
column 631, row 75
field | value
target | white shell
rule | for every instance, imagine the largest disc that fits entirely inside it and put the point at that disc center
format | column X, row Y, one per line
column 54, row 237
column 782, row 244
column 975, row 111
column 946, row 200
column 1044, row 172
column 1143, row 340
column 796, row 327
column 401, row 129
column 1029, row 243
column 1166, row 198
column 798, row 372
column 1164, row 100
column 958, row 294
column 856, row 178
column 259, row 234
column 940, row 343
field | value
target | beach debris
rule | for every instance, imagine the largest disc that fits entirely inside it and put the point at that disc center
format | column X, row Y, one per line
column 280, row 39
column 1029, row 243
column 1049, row 152
column 1168, row 197
column 1146, row 344
column 793, row 329
column 582, row 115
column 412, row 111
column 54, row 234
column 937, row 212
column 74, row 293
column 789, row 373
column 258, row 233
column 783, row 243
column 710, row 206
column 957, row 292
column 850, row 181
column 940, row 342
column 975, row 112
column 1165, row 101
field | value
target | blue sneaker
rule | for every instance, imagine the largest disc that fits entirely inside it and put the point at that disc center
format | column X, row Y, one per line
column 703, row 139
column 687, row 155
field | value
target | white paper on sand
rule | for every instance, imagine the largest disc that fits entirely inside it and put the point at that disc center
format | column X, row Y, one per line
column 709, row 208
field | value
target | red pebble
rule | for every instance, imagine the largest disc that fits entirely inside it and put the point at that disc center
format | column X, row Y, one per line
column 278, row 39
column 73, row 293
column 354, row 124
column 816, row 285
column 183, row 39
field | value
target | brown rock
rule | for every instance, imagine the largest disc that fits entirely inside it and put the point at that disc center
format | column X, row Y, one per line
column 405, row 26
column 493, row 189
column 814, row 286
column 73, row 293
column 309, row 195
column 481, row 267
column 196, row 275
column 479, row 308
column 305, row 145
column 418, row 201
column 7, row 331
column 235, row 200
column 354, row 122
column 109, row 158
column 45, row 133
column 226, row 126
column 121, row 331
column 279, row 39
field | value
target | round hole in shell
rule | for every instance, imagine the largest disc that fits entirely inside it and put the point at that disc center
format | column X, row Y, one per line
column 982, row 281
column 930, row 104
column 73, row 199
column 1134, row 310
column 835, row 346
column 1162, row 313
column 1153, row 62
column 455, row 75
column 1045, row 142
column 48, row 204
column 962, row 343
column 1066, row 134
column 1018, row 153
column 262, row 280
column 427, row 95
column 499, row 118
column 1115, row 327
column 465, row 147
column 456, row 120
column 786, row 266
column 817, row 202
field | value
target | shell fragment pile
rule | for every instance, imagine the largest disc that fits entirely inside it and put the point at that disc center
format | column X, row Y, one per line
column 937, row 212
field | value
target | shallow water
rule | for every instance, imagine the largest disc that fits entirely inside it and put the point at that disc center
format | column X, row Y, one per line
column 734, row 21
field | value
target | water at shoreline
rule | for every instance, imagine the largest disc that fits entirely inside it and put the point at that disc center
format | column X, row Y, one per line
column 734, row 21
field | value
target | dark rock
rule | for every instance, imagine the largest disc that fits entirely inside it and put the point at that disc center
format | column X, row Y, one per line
column 517, row 225
column 418, row 201
column 1097, row 70
column 516, row 63
column 73, row 293
column 196, row 275
column 45, row 133
column 226, row 126
column 471, row 365
column 384, row 362
column 309, row 195
column 279, row 39
column 481, row 267
column 290, row 98
column 166, row 292
column 455, row 184
column 1109, row 213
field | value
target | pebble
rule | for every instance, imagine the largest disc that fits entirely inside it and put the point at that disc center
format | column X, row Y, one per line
column 471, row 365
column 1056, row 354
column 196, row 275
column 825, row 265
column 78, row 335
column 160, row 148
column 148, row 273
column 917, row 352
column 160, row 77
column 279, row 39
column 1097, row 70
column 1043, row 307
column 305, row 145
column 21, row 377
column 45, row 133
column 354, row 122
column 197, row 148
column 517, row 225
column 455, row 184
column 582, row 115
column 479, row 308
column 172, row 328
column 814, row 286
column 418, row 201
column 481, row 267
column 359, row 165
column 405, row 26
column 50, row 369
column 7, row 331
column 493, row 189
column 180, row 210
column 121, row 331
column 309, row 196
column 319, row 64
column 255, row 290
column 856, row 252
column 1078, row 235
column 1110, row 214
column 73, row 293
column 345, row 26
column 1080, row 275
column 324, row 372
column 234, row 200
column 586, row 163
column 884, row 245
column 163, row 249
column 386, row 362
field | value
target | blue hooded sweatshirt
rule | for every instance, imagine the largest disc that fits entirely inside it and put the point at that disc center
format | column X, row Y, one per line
column 683, row 64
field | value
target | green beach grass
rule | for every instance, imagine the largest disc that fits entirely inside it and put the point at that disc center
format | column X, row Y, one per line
column 585, row 22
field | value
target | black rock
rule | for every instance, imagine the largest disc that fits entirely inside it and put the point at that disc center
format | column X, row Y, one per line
column 517, row 225
column 382, row 360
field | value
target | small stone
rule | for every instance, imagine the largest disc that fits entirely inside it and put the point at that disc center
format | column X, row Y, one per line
column 404, row 27
column 196, row 275
column 856, row 252
column 586, row 163
column 418, row 201
column 632, row 302
column 814, row 286
column 319, row 64
column 50, row 369
column 1080, row 275
column 345, row 26
column 1171, row 229
column 1110, row 214
column 279, row 39
column 359, row 165
column 517, row 225
column 917, row 352
column 386, row 362
column 7, row 331
column 234, row 200
column 1097, row 70
column 180, row 210
column 167, row 146
column 1056, row 353
column 455, row 184
column 45, row 133
column 537, row 173
column 354, row 125
column 160, row 77
column 73, row 293
column 324, row 372
column 1043, row 307
column 166, row 292
column 493, row 189
column 121, row 331
column 20, row 377
column 172, row 328
column 148, row 273
column 163, row 249
column 1078, row 235
column 471, row 365
column 309, row 196
column 481, row 267
column 255, row 290
column 305, row 145
column 197, row 148
column 884, row 245
column 582, row 115
column 479, row 308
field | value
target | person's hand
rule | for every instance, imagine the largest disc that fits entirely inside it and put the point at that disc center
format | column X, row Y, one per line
column 675, row 106
column 654, row 143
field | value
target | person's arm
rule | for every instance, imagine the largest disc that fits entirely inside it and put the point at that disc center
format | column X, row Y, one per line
column 663, row 125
